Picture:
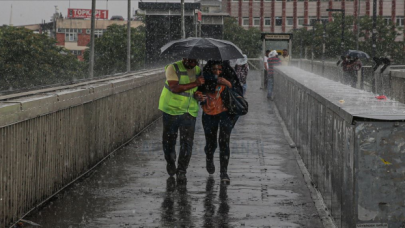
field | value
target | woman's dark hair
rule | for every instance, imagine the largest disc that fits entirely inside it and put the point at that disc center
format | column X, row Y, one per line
column 210, row 64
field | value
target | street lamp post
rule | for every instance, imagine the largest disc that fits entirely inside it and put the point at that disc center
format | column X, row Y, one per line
column 374, row 38
column 312, row 44
column 300, row 45
column 129, row 37
column 343, row 27
column 324, row 22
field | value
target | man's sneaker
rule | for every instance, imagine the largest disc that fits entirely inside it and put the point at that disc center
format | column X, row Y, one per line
column 181, row 177
column 210, row 166
column 225, row 178
column 171, row 169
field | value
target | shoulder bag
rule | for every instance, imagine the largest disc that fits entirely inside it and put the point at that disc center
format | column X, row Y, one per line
column 234, row 102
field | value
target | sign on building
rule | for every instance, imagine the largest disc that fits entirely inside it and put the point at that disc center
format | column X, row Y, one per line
column 86, row 13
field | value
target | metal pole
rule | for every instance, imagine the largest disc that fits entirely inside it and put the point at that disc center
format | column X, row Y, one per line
column 301, row 50
column 323, row 46
column 93, row 22
column 196, row 24
column 373, row 54
column 312, row 48
column 374, row 27
column 343, row 31
column 358, row 24
column 183, row 28
column 129, row 37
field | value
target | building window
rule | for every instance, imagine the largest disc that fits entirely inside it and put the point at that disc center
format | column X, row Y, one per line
column 300, row 21
column 267, row 21
column 325, row 19
column 312, row 20
column 256, row 21
column 290, row 21
column 400, row 21
column 98, row 33
column 76, row 52
column 71, row 34
column 387, row 20
column 245, row 21
column 279, row 21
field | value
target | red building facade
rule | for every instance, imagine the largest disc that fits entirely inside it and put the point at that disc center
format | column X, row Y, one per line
column 284, row 15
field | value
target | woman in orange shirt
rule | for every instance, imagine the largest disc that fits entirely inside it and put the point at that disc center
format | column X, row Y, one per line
column 215, row 115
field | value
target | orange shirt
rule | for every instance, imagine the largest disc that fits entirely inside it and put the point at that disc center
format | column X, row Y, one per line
column 214, row 104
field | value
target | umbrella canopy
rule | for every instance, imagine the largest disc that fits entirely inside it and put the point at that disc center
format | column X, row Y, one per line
column 202, row 48
column 358, row 54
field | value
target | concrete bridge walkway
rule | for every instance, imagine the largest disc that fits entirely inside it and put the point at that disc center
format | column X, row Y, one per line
column 132, row 189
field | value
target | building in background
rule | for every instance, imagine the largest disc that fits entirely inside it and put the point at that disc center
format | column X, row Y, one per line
column 212, row 21
column 73, row 31
column 280, row 16
column 74, row 34
column 163, row 23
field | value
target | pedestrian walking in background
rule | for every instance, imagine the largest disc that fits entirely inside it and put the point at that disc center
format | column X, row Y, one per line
column 272, row 61
column 285, row 58
column 242, row 70
column 218, row 75
column 179, row 105
column 351, row 66
column 264, row 86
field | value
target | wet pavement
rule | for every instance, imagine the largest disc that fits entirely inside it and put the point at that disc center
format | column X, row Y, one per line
column 132, row 188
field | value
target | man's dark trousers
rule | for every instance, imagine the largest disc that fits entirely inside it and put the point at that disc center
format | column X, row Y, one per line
column 171, row 126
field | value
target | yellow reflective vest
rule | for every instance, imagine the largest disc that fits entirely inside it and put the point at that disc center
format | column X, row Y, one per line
column 179, row 103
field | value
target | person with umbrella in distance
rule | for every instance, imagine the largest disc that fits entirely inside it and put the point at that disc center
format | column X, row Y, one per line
column 219, row 76
column 272, row 61
column 179, row 104
column 351, row 64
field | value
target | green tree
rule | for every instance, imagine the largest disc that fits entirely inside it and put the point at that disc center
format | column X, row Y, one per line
column 249, row 41
column 332, row 39
column 385, row 44
column 385, row 39
column 28, row 59
column 110, row 50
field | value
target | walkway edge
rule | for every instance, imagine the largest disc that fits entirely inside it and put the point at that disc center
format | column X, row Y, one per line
column 85, row 173
column 316, row 196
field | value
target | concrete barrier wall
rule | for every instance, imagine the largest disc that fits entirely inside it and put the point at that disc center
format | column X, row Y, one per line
column 351, row 144
column 390, row 83
column 49, row 138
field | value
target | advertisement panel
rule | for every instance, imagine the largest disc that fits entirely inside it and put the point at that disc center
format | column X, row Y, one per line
column 199, row 18
column 86, row 13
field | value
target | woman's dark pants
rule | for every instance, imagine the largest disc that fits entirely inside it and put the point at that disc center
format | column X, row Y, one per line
column 225, row 123
column 171, row 126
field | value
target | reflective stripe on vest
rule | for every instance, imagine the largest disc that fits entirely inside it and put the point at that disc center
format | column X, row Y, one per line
column 181, row 94
column 179, row 103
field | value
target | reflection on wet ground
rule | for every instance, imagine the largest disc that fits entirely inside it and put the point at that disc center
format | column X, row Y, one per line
column 132, row 189
column 176, row 208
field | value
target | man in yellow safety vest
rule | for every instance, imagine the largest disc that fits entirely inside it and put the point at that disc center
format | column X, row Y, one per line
column 179, row 104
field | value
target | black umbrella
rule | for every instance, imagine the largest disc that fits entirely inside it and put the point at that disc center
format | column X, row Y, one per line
column 358, row 54
column 202, row 48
